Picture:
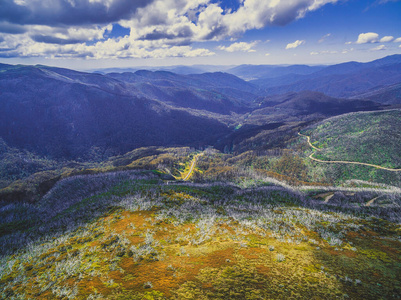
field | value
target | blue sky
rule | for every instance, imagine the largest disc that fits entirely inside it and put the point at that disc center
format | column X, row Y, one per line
column 87, row 34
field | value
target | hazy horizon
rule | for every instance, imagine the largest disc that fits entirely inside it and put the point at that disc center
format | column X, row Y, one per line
column 218, row 67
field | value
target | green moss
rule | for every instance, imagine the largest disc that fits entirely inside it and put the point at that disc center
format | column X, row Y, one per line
column 375, row 254
column 233, row 282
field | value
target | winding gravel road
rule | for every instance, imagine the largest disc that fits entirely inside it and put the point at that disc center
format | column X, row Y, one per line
column 341, row 161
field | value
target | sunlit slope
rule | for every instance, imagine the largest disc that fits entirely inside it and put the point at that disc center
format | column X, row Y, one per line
column 128, row 235
column 370, row 137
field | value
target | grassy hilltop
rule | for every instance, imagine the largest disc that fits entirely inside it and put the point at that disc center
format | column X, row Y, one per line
column 365, row 137
column 141, row 239
column 235, row 233
column 372, row 137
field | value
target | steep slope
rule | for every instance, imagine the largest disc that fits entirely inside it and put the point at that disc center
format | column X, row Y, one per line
column 309, row 102
column 218, row 92
column 69, row 114
column 371, row 137
column 50, row 113
column 386, row 95
column 279, row 118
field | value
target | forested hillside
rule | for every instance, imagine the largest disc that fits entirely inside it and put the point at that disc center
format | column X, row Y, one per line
column 372, row 137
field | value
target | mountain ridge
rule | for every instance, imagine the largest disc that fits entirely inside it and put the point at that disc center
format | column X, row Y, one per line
column 63, row 112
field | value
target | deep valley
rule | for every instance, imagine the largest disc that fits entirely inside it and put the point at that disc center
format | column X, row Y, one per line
column 252, row 182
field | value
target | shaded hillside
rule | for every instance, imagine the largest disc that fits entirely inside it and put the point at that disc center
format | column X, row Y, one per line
column 16, row 164
column 217, row 92
column 386, row 95
column 371, row 137
column 280, row 116
column 64, row 117
column 309, row 102
column 67, row 114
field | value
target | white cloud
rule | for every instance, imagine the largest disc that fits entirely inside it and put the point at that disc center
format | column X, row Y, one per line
column 267, row 54
column 345, row 51
column 369, row 37
column 71, row 35
column 323, row 38
column 156, row 26
column 295, row 44
column 386, row 39
column 255, row 14
column 324, row 52
column 397, row 40
column 240, row 46
column 108, row 49
column 378, row 48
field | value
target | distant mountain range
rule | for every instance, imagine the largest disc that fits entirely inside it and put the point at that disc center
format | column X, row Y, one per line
column 254, row 72
column 63, row 113
column 342, row 80
column 182, row 70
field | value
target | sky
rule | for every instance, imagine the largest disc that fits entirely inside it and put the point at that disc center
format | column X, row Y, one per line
column 90, row 34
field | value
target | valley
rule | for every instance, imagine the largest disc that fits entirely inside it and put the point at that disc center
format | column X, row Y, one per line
column 259, row 182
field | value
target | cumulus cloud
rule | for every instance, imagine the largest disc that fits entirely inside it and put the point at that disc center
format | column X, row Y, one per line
column 369, row 37
column 241, row 46
column 71, row 35
column 110, row 49
column 379, row 48
column 82, row 27
column 255, row 14
column 386, row 39
column 295, row 44
column 397, row 40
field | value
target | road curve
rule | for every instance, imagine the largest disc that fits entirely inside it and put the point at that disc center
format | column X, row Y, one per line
column 341, row 161
column 310, row 144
